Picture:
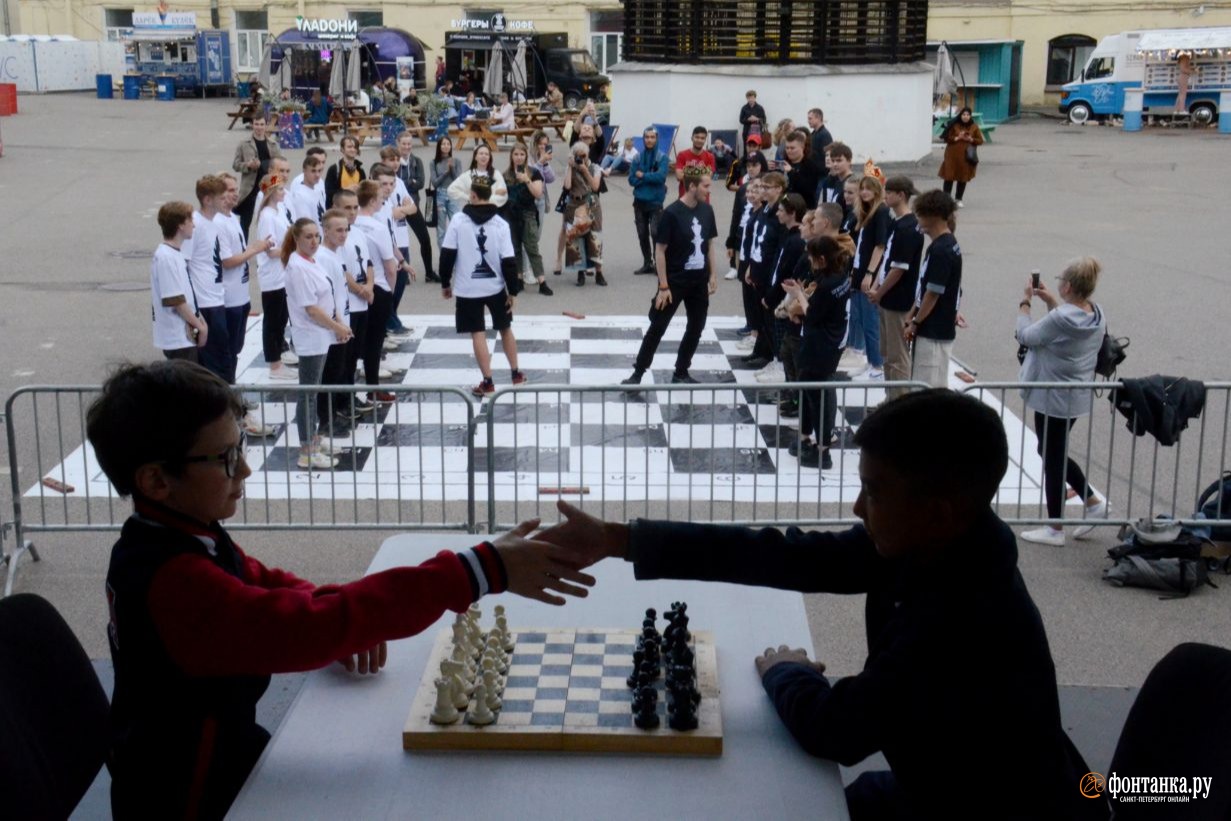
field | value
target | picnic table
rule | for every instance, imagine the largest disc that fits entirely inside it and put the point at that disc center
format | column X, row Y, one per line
column 247, row 111
column 541, row 120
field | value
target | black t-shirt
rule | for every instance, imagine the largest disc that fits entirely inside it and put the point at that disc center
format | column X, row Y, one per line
column 874, row 232
column 821, row 138
column 262, row 155
column 790, row 252
column 520, row 198
column 803, row 179
column 905, row 249
column 763, row 250
column 827, row 310
column 941, row 274
column 831, row 190
column 687, row 233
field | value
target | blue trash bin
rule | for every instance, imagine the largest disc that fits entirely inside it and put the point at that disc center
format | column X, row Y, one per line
column 166, row 88
column 132, row 86
column 103, row 82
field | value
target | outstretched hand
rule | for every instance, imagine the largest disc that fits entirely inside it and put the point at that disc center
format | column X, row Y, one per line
column 586, row 539
column 536, row 565
column 784, row 655
column 366, row 661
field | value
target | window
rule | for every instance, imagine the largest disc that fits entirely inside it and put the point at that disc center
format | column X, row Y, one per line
column 582, row 64
column 1100, row 67
column 1066, row 55
column 250, row 36
column 367, row 19
column 118, row 23
column 606, row 49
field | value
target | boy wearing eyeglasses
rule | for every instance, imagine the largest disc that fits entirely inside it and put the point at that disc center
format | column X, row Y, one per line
column 197, row 626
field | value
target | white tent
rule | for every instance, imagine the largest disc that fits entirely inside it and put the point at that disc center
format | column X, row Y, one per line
column 943, row 81
column 519, row 67
column 354, row 76
column 337, row 77
column 493, row 81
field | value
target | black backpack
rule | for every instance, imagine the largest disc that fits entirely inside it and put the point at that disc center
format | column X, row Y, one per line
column 1175, row 567
column 1215, row 503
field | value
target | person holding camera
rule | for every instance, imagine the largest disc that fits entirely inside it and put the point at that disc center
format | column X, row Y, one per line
column 1063, row 346
column 582, row 180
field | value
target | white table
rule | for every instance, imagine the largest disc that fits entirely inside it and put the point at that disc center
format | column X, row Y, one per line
column 338, row 752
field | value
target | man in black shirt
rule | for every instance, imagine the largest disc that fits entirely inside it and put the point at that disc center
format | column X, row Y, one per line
column 932, row 322
column 821, row 137
column 687, row 261
column 959, row 673
column 894, row 290
column 802, row 174
column 831, row 187
column 752, row 116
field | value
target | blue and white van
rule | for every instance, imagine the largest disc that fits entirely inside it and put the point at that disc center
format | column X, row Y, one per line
column 1149, row 59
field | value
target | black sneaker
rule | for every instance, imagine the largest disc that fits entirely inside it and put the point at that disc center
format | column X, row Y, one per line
column 556, row 272
column 581, row 278
column 683, row 378
column 826, row 460
column 361, row 407
column 635, row 379
column 646, row 269
column 599, row 280
column 431, row 278
column 810, row 456
column 794, row 447
column 544, row 290
column 757, row 362
column 788, row 410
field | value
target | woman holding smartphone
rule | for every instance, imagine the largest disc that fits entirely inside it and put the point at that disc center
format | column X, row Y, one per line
column 522, row 213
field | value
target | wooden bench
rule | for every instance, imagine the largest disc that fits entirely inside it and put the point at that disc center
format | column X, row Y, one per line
column 245, row 112
column 476, row 130
column 315, row 129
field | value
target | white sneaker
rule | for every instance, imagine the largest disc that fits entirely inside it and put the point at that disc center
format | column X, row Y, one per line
column 391, row 344
column 385, row 373
column 852, row 360
column 317, row 460
column 746, row 344
column 399, row 334
column 731, row 274
column 772, row 373
column 255, row 428
column 289, row 358
column 284, row 374
column 1045, row 535
column 960, row 204
column 332, row 447
column 1098, row 511
column 873, row 374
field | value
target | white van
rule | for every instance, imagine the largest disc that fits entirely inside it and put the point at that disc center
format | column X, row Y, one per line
column 1148, row 59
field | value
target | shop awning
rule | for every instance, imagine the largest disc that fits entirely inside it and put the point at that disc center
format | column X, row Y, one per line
column 1196, row 40
column 163, row 35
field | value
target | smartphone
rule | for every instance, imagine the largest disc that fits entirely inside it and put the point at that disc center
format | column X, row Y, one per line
column 1034, row 280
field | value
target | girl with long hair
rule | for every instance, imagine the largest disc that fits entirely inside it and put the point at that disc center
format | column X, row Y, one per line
column 445, row 169
column 961, row 134
column 873, row 224
column 522, row 213
column 481, row 165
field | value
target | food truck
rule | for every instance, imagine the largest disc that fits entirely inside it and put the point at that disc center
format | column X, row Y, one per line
column 314, row 44
column 169, row 45
column 469, row 46
column 1151, row 60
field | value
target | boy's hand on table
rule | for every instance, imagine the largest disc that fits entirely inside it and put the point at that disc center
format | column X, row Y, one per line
column 535, row 566
column 368, row 661
column 785, row 655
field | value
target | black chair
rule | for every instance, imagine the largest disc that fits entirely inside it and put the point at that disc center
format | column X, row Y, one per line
column 53, row 712
column 1180, row 725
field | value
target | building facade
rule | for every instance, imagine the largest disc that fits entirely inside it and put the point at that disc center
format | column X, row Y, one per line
column 1056, row 35
column 592, row 24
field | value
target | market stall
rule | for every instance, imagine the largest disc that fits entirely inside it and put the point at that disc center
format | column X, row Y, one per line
column 167, row 48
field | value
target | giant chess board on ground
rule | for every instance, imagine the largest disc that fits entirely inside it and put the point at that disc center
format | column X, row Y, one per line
column 722, row 445
column 566, row 691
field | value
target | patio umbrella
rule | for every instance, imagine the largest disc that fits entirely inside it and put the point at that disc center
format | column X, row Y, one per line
column 354, row 75
column 943, row 81
column 519, row 67
column 337, row 77
column 493, row 81
column 263, row 76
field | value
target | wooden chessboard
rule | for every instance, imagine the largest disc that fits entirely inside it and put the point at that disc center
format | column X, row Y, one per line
column 566, row 692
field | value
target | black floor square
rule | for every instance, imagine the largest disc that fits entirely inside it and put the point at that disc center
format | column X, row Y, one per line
column 513, row 407
column 545, row 460
column 721, row 460
column 738, row 363
column 447, row 332
column 640, row 396
column 606, row 333
column 284, row 459
column 616, row 435
column 727, row 334
column 706, row 414
column 406, row 346
column 761, row 395
column 620, row 361
column 673, row 346
column 431, row 435
column 535, row 345
column 704, row 377
column 778, row 436
column 428, row 396
column 464, row 362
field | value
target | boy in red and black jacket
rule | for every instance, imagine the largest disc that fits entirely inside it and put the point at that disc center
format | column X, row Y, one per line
column 197, row 627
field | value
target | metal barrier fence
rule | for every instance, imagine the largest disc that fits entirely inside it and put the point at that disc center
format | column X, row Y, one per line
column 704, row 453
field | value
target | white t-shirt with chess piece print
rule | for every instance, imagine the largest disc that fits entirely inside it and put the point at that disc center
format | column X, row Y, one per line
column 380, row 244
column 355, row 258
column 204, row 255
column 232, row 242
column 482, row 240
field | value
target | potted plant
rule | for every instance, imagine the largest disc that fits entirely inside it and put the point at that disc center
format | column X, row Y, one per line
column 290, row 123
column 433, row 108
column 393, row 122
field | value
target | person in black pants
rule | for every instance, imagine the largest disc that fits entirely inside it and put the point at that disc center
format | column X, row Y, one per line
column 763, row 253
column 823, row 337
column 686, row 273
column 410, row 172
column 939, row 571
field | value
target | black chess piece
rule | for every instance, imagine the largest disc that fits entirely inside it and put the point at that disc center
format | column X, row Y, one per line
column 651, row 614
column 645, row 715
column 638, row 658
column 650, row 669
column 681, row 628
column 683, row 711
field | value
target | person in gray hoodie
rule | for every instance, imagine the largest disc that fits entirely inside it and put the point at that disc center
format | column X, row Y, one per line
column 1063, row 346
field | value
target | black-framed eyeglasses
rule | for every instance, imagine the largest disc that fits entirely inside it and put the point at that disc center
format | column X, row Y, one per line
column 229, row 458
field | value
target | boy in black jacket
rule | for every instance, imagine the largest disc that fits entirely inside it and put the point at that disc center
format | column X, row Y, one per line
column 958, row 673
column 763, row 254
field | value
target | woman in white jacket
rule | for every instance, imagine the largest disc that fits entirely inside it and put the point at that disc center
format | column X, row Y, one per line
column 1063, row 346
column 480, row 165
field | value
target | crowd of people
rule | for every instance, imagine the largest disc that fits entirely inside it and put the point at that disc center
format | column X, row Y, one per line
column 840, row 272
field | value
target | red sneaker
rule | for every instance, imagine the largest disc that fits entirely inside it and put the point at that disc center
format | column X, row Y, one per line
column 484, row 388
column 519, row 378
column 383, row 397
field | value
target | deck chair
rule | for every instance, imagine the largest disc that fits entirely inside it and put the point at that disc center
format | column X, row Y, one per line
column 53, row 712
column 610, row 133
column 666, row 140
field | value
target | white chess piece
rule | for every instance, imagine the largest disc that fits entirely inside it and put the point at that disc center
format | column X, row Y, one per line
column 462, row 656
column 445, row 712
column 498, row 654
column 481, row 715
column 458, row 687
column 498, row 610
column 493, row 698
column 502, row 631
column 492, row 682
